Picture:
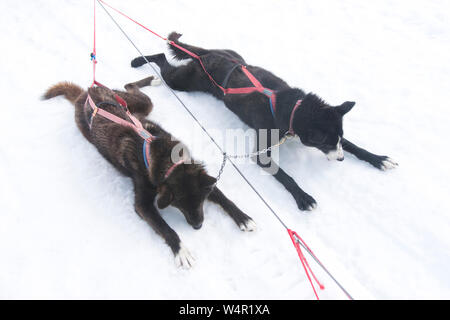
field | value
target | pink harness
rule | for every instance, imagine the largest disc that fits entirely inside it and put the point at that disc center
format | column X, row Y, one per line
column 135, row 124
column 291, row 119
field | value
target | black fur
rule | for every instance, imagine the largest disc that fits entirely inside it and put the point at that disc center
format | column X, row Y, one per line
column 315, row 122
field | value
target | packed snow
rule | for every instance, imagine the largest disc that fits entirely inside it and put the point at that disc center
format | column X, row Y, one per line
column 67, row 223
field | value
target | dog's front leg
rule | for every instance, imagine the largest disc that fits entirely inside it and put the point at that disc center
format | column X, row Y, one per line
column 144, row 205
column 304, row 200
column 244, row 222
column 380, row 162
column 264, row 160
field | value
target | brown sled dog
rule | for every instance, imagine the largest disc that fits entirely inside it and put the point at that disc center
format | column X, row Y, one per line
column 186, row 187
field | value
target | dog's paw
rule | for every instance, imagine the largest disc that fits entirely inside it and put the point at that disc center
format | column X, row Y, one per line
column 248, row 225
column 137, row 62
column 305, row 202
column 155, row 82
column 243, row 221
column 384, row 163
column 184, row 259
column 388, row 163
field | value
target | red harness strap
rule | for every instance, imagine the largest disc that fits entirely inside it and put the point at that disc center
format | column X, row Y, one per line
column 136, row 125
column 257, row 86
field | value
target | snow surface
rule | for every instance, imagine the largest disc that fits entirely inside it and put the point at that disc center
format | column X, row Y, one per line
column 67, row 224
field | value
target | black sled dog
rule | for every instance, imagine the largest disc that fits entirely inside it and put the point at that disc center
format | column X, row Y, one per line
column 270, row 104
column 184, row 185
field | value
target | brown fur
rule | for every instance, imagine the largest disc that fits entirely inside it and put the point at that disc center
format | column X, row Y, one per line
column 70, row 91
column 186, row 187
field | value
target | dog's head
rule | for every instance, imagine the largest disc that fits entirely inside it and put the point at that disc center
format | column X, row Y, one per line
column 186, row 188
column 320, row 125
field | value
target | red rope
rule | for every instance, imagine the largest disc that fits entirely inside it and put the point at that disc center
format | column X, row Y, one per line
column 123, row 14
column 94, row 50
column 296, row 240
column 258, row 86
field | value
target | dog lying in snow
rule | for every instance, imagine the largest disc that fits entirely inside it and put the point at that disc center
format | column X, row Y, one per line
column 185, row 187
column 317, row 124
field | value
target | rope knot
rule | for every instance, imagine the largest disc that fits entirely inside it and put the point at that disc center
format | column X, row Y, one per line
column 298, row 242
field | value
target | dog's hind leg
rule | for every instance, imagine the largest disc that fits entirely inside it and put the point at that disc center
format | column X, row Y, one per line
column 189, row 77
column 244, row 222
column 380, row 162
column 159, row 59
column 134, row 87
column 145, row 195
column 138, row 102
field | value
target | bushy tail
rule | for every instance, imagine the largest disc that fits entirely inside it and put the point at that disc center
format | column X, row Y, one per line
column 70, row 91
column 180, row 54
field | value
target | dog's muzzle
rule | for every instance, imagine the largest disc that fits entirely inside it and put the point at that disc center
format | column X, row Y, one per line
column 337, row 154
column 198, row 226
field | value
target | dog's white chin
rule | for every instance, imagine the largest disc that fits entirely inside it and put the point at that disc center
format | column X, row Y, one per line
column 337, row 154
column 334, row 155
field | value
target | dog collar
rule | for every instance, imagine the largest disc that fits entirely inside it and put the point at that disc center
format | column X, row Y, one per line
column 169, row 171
column 291, row 119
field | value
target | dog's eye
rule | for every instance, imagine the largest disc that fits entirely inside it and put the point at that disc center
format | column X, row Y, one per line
column 317, row 137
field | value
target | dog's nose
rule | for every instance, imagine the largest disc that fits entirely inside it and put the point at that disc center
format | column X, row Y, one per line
column 198, row 226
column 340, row 159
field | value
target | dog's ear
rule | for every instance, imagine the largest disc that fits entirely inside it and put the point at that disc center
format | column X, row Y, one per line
column 206, row 180
column 345, row 107
column 165, row 197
